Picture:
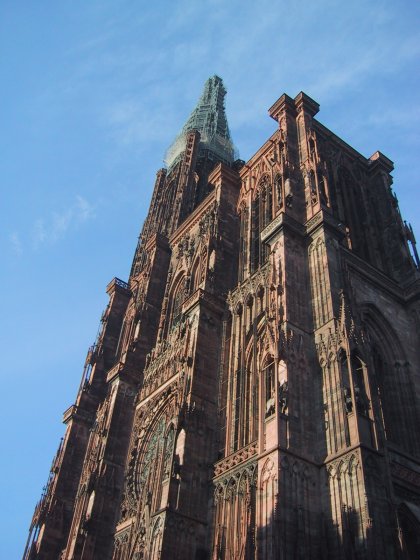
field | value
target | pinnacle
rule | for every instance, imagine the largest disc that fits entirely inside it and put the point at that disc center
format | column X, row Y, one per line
column 209, row 118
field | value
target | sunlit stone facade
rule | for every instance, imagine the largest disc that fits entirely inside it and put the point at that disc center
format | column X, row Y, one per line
column 254, row 390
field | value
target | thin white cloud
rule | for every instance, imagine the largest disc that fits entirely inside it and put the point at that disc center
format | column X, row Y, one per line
column 16, row 243
column 60, row 224
column 83, row 209
column 56, row 227
column 398, row 118
column 132, row 122
column 355, row 66
column 39, row 235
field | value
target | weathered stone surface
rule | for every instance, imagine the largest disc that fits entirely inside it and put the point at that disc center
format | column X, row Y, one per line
column 254, row 392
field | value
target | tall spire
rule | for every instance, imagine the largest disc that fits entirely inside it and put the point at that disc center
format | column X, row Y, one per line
column 209, row 118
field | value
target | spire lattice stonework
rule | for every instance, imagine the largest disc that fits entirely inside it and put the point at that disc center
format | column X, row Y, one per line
column 209, row 118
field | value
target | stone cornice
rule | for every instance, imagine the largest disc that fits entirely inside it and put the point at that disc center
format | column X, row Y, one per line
column 117, row 285
column 201, row 296
column 238, row 458
column 74, row 412
column 306, row 103
column 157, row 240
column 281, row 222
column 284, row 103
column 380, row 160
column 324, row 218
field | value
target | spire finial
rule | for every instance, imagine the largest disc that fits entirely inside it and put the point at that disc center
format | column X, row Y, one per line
column 209, row 118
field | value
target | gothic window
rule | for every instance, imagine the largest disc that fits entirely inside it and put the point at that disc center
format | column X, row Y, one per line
column 246, row 406
column 283, row 390
column 251, row 402
column 147, row 484
column 354, row 212
column 261, row 215
column 243, row 392
column 255, row 233
column 236, row 390
column 338, row 400
column 243, row 252
column 156, row 548
column 391, row 384
column 270, row 390
column 385, row 393
column 266, row 194
column 254, row 407
column 237, row 409
column 268, row 205
column 169, row 447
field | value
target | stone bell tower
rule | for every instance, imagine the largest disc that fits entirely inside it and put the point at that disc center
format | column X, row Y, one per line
column 320, row 457
column 254, row 391
column 131, row 476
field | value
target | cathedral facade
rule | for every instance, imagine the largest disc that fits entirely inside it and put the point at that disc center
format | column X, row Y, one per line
column 254, row 392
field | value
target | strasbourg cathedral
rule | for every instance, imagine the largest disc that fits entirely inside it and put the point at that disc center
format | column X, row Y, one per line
column 254, row 392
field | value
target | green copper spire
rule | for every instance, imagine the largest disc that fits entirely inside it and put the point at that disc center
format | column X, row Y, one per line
column 209, row 118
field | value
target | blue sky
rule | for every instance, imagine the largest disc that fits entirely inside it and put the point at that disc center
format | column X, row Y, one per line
column 92, row 95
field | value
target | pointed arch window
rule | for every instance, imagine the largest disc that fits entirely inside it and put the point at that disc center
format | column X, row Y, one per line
column 385, row 393
column 268, row 204
column 390, row 384
column 247, row 405
column 243, row 252
column 261, row 216
column 169, row 448
column 237, row 409
column 245, row 425
column 266, row 194
column 255, row 233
